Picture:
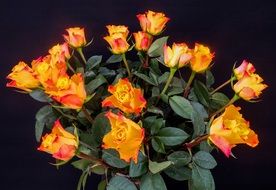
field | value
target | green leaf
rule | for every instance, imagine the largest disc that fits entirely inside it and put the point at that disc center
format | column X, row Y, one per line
column 153, row 124
column 107, row 72
column 94, row 84
column 156, row 167
column 82, row 180
column 39, row 127
column 102, row 185
column 179, row 173
column 201, row 93
column 218, row 100
column 43, row 113
column 163, row 78
column 157, row 145
column 93, row 62
column 100, row 128
column 180, row 158
column 136, row 170
column 114, row 59
column 201, row 179
column 120, row 183
column 210, row 80
column 98, row 169
column 181, row 106
column 154, row 66
column 156, row 48
column 204, row 160
column 172, row 136
column 175, row 91
column 200, row 109
column 40, row 95
column 146, row 78
column 155, row 110
column 152, row 182
column 198, row 123
column 112, row 157
column 81, row 164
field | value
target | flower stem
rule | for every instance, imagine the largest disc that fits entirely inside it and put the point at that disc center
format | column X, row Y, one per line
column 92, row 159
column 196, row 141
column 172, row 72
column 235, row 98
column 87, row 115
column 79, row 50
column 221, row 86
column 70, row 67
column 126, row 64
column 187, row 88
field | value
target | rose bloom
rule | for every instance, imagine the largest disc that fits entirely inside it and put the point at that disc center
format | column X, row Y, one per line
column 70, row 92
column 201, row 58
column 177, row 56
column 125, row 136
column 245, row 69
column 59, row 53
column 143, row 40
column 152, row 22
column 60, row 143
column 125, row 97
column 249, row 87
column 117, row 38
column 231, row 129
column 23, row 77
column 75, row 37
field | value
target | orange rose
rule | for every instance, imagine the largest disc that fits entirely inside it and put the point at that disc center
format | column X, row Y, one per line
column 143, row 40
column 60, row 143
column 125, row 136
column 23, row 77
column 117, row 38
column 177, row 56
column 201, row 58
column 75, row 37
column 249, row 87
column 59, row 53
column 245, row 69
column 69, row 91
column 125, row 97
column 152, row 22
column 231, row 129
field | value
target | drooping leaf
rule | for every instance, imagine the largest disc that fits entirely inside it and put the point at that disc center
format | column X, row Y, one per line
column 120, row 183
column 39, row 95
column 81, row 164
column 112, row 157
column 139, row 168
column 156, row 48
column 152, row 182
column 204, row 160
column 172, row 136
column 114, row 59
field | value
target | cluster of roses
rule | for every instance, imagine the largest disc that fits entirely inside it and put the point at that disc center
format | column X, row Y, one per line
column 126, row 136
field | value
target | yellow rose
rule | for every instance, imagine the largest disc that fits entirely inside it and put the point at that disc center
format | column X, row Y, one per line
column 153, row 22
column 59, row 53
column 177, row 56
column 125, row 97
column 245, row 69
column 75, row 37
column 231, row 129
column 117, row 38
column 249, row 87
column 60, row 143
column 143, row 40
column 125, row 136
column 23, row 77
column 201, row 58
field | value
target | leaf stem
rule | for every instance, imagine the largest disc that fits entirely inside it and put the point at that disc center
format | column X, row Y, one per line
column 196, row 141
column 79, row 50
column 126, row 64
column 187, row 88
column 172, row 72
column 92, row 159
column 221, row 86
column 87, row 115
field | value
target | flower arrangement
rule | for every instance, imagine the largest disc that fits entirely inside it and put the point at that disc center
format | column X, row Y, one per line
column 131, row 121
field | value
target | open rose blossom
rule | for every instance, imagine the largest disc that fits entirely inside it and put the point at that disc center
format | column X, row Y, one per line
column 75, row 37
column 143, row 40
column 117, row 38
column 231, row 129
column 60, row 143
column 201, row 58
column 177, row 56
column 153, row 22
column 245, row 69
column 125, row 97
column 23, row 77
column 125, row 136
column 70, row 92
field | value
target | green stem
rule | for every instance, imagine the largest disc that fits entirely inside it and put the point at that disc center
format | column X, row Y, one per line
column 196, row 141
column 221, row 86
column 92, row 159
column 172, row 72
column 79, row 50
column 87, row 115
column 126, row 64
column 70, row 67
column 235, row 98
column 88, row 146
column 187, row 88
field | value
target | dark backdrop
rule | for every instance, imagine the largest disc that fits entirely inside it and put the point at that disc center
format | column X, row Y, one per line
column 235, row 30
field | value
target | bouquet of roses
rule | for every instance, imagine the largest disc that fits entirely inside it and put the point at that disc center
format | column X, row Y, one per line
column 134, row 121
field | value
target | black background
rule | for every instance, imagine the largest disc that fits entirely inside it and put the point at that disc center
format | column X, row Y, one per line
column 235, row 30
